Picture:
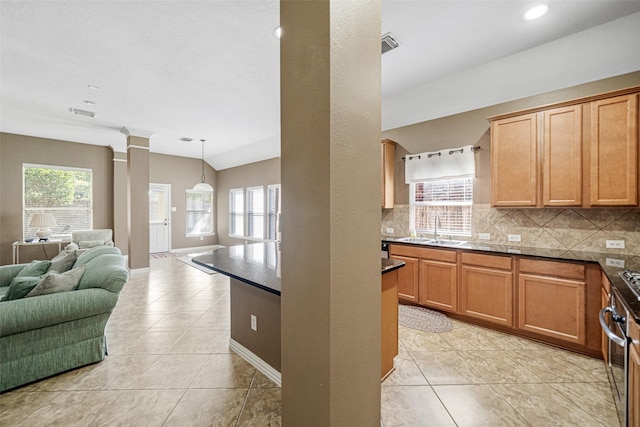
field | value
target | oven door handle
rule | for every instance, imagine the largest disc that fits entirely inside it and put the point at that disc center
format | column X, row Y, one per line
column 603, row 323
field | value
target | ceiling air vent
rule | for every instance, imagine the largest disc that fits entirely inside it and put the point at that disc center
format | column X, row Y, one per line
column 80, row 112
column 185, row 139
column 389, row 42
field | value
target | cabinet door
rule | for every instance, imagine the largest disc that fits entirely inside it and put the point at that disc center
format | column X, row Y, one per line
column 438, row 285
column 388, row 172
column 634, row 387
column 408, row 279
column 514, row 159
column 605, row 339
column 487, row 294
column 614, row 151
column 552, row 307
column 562, row 157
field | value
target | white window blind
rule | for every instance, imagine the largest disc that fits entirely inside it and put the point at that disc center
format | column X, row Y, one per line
column 67, row 193
column 236, row 212
column 199, row 212
column 255, row 212
column 451, row 199
column 273, row 210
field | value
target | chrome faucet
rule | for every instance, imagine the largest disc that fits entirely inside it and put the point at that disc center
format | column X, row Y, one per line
column 436, row 224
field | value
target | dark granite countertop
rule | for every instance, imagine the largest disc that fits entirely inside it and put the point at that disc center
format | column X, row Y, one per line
column 605, row 260
column 391, row 264
column 258, row 264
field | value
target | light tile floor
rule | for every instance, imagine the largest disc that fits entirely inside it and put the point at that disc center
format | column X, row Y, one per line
column 169, row 364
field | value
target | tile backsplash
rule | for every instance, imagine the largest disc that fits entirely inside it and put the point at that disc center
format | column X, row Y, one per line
column 571, row 229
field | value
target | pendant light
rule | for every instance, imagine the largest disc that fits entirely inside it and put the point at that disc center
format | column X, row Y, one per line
column 203, row 186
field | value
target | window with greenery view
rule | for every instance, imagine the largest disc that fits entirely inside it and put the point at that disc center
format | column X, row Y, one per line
column 451, row 199
column 64, row 192
column 199, row 213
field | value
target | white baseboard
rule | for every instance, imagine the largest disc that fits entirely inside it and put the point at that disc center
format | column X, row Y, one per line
column 258, row 363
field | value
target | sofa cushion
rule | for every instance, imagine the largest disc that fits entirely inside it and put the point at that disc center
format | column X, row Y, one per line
column 3, row 292
column 21, row 286
column 58, row 282
column 8, row 273
column 63, row 262
column 108, row 271
column 92, row 253
column 86, row 244
column 34, row 268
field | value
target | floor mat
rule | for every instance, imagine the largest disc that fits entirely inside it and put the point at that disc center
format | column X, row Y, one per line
column 423, row 319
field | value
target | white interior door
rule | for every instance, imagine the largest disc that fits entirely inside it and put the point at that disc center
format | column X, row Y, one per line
column 159, row 217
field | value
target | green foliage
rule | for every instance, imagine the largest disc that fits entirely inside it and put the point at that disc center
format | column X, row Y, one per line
column 56, row 187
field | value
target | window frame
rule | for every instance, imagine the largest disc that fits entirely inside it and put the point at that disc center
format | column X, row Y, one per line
column 273, row 226
column 442, row 205
column 232, row 213
column 254, row 211
column 211, row 212
column 27, row 212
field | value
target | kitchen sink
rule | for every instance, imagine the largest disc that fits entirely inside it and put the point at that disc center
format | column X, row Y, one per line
column 437, row 242
column 442, row 242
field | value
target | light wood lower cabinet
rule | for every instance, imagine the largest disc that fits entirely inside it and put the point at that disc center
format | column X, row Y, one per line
column 408, row 279
column 486, row 288
column 552, row 300
column 634, row 387
column 438, row 285
column 389, row 318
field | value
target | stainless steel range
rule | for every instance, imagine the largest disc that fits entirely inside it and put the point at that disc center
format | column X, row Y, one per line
column 632, row 279
column 616, row 326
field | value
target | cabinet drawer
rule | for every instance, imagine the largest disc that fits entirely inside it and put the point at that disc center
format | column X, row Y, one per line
column 424, row 253
column 551, row 268
column 489, row 261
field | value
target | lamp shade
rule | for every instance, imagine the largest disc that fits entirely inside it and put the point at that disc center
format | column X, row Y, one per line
column 42, row 220
column 203, row 187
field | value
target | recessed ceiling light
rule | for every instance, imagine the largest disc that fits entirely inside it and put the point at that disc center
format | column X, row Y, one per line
column 80, row 112
column 536, row 12
column 278, row 32
column 94, row 87
column 88, row 102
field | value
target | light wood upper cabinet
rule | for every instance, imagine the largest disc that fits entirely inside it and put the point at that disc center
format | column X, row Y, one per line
column 388, row 149
column 614, row 151
column 577, row 153
column 514, row 160
column 562, row 157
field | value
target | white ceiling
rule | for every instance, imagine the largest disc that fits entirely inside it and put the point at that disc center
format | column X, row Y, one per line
column 210, row 69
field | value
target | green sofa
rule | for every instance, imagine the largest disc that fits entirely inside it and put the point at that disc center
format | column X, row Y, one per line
column 48, row 334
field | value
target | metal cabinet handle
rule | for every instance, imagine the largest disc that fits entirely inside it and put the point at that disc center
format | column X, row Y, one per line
column 603, row 323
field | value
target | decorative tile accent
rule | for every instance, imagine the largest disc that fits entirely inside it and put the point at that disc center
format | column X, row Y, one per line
column 576, row 229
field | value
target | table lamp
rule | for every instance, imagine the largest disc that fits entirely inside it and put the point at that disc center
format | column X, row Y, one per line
column 42, row 221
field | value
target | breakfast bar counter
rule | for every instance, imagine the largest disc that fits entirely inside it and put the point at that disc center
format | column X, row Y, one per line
column 254, row 272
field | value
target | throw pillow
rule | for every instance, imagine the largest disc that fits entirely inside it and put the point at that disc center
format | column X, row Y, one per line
column 86, row 244
column 35, row 268
column 58, row 282
column 63, row 261
column 71, row 247
column 21, row 286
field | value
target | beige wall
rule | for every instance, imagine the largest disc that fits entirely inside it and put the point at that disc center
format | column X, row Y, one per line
column 182, row 173
column 263, row 173
column 19, row 149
